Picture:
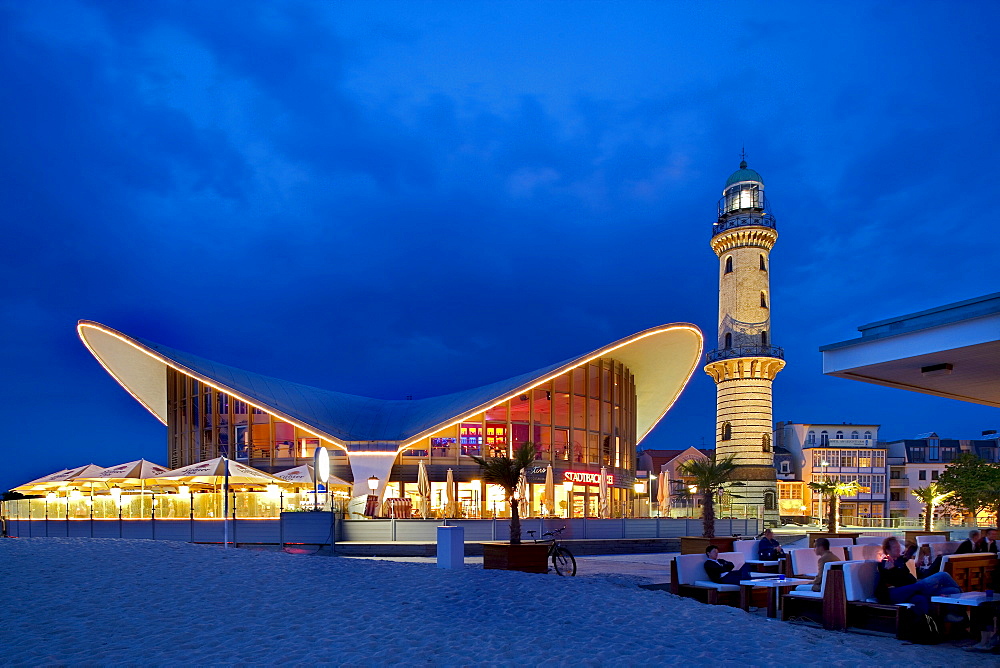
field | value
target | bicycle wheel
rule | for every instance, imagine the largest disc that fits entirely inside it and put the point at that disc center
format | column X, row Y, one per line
column 563, row 561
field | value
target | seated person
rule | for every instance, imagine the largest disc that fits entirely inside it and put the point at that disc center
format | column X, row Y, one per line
column 926, row 564
column 721, row 571
column 969, row 545
column 897, row 585
column 989, row 542
column 768, row 549
column 822, row 550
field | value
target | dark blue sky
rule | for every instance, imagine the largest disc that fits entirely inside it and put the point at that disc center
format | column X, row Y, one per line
column 417, row 198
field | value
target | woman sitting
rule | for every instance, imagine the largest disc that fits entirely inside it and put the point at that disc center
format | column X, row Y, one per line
column 897, row 585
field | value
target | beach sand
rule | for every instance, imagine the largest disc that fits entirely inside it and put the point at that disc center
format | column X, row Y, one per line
column 109, row 601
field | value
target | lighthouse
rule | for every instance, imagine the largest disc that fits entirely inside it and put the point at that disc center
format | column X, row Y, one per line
column 745, row 361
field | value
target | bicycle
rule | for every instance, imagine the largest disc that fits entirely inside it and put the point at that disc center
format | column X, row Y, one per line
column 562, row 559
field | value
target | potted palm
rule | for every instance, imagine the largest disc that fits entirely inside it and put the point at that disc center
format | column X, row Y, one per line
column 930, row 496
column 514, row 555
column 832, row 490
column 708, row 476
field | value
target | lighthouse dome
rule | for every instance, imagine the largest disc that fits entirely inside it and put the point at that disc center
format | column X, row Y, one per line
column 744, row 174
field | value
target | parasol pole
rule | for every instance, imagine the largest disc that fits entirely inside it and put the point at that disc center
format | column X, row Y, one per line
column 225, row 505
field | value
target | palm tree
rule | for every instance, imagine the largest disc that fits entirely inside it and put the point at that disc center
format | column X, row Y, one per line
column 506, row 472
column 930, row 496
column 709, row 477
column 832, row 490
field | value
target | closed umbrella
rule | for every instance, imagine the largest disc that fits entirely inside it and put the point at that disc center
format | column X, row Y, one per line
column 424, row 491
column 550, row 491
column 603, row 493
column 450, row 509
column 522, row 495
column 661, row 492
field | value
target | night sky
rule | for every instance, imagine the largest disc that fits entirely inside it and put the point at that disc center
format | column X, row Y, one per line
column 394, row 199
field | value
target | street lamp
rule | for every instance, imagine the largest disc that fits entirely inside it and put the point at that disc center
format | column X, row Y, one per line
column 373, row 483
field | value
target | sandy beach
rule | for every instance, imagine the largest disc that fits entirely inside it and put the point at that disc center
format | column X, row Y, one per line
column 104, row 601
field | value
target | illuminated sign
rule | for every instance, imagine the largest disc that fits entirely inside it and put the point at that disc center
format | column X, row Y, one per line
column 587, row 478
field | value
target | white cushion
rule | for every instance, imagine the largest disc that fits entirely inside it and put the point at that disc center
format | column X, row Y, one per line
column 748, row 548
column 860, row 578
column 716, row 585
column 869, row 540
column 840, row 542
column 805, row 593
column 926, row 540
column 691, row 569
column 864, row 552
column 805, row 562
column 947, row 547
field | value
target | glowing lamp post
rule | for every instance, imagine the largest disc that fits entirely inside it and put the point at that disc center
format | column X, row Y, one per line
column 373, row 483
column 371, row 508
column 321, row 472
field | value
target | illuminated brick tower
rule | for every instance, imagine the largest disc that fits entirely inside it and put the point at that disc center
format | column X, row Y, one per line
column 745, row 363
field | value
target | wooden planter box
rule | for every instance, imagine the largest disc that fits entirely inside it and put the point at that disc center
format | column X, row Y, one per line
column 698, row 544
column 911, row 536
column 526, row 557
column 813, row 535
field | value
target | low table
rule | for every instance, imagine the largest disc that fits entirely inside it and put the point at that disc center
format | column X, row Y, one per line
column 773, row 601
column 968, row 598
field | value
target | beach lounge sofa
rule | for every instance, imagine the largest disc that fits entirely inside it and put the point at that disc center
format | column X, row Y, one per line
column 688, row 578
column 869, row 540
column 863, row 609
column 972, row 572
column 804, row 602
column 750, row 549
column 840, row 542
column 942, row 549
column 864, row 552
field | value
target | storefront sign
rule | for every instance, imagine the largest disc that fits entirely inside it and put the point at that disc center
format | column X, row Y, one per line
column 587, row 478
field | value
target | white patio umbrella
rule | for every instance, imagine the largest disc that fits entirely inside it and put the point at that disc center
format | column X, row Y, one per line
column 304, row 475
column 424, row 491
column 451, row 509
column 217, row 471
column 58, row 479
column 550, row 491
column 661, row 492
column 602, row 495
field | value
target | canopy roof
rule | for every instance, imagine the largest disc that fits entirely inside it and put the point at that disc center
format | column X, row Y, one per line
column 662, row 360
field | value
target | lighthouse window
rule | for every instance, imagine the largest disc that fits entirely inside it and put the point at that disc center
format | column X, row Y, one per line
column 727, row 431
column 763, row 338
column 763, row 300
column 729, row 340
column 729, row 265
column 763, row 267
column 765, row 442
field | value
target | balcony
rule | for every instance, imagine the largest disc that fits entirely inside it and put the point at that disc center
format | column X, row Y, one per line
column 899, row 505
column 899, row 482
column 745, row 351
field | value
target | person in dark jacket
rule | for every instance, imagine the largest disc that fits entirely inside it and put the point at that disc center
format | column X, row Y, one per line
column 970, row 544
column 897, row 585
column 989, row 541
column 721, row 571
column 768, row 549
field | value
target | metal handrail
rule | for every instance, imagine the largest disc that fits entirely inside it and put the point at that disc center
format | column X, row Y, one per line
column 730, row 221
column 745, row 351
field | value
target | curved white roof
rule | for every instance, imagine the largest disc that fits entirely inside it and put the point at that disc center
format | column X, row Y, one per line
column 662, row 359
